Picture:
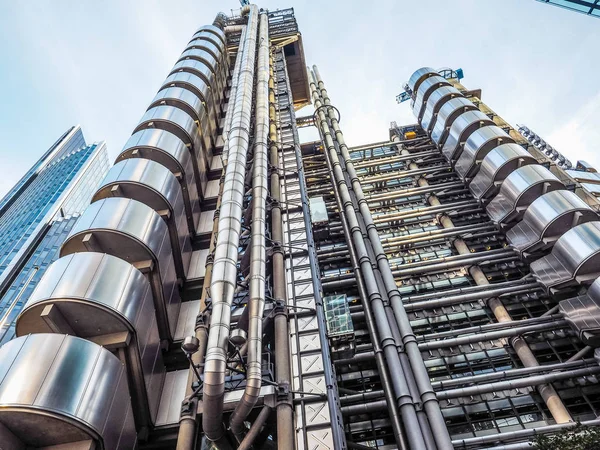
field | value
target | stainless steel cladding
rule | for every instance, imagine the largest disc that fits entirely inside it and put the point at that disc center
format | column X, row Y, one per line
column 154, row 185
column 583, row 314
column 496, row 166
column 476, row 148
column 575, row 259
column 418, row 76
column 436, row 100
column 518, row 191
column 547, row 219
column 461, row 129
column 135, row 233
column 424, row 91
column 167, row 149
column 182, row 125
column 106, row 300
column 224, row 272
column 448, row 112
column 57, row 389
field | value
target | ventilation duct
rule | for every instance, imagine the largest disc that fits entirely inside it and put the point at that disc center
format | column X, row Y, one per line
column 418, row 76
column 496, row 166
column 547, row 219
column 575, row 259
column 476, row 148
column 518, row 191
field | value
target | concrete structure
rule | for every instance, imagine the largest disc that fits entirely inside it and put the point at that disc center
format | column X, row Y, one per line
column 429, row 292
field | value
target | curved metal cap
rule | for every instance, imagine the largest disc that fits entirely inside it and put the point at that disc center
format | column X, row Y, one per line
column 203, row 56
column 214, row 30
column 199, row 68
column 462, row 128
column 418, row 76
column 496, row 166
column 57, row 389
column 425, row 89
column 477, row 146
column 173, row 120
column 519, row 190
column 435, row 101
column 448, row 112
column 547, row 219
column 168, row 150
column 575, row 259
column 583, row 315
column 98, row 297
column 217, row 46
column 183, row 99
column 155, row 186
column 134, row 232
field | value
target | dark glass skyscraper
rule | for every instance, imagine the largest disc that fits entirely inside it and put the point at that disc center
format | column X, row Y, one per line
column 37, row 214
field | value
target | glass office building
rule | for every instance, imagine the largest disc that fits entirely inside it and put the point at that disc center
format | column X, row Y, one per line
column 37, row 214
column 591, row 7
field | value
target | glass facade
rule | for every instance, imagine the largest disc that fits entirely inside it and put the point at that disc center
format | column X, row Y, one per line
column 591, row 7
column 38, row 214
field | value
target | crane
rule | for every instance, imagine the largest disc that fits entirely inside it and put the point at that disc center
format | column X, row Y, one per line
column 245, row 2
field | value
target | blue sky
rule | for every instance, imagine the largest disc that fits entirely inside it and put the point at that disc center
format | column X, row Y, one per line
column 99, row 64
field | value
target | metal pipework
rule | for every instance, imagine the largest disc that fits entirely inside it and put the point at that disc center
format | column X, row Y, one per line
column 235, row 76
column 283, row 375
column 382, row 368
column 224, row 272
column 407, row 408
column 256, row 304
column 428, row 398
column 548, row 393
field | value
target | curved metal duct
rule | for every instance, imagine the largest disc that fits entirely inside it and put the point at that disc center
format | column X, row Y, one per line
column 477, row 146
column 187, row 77
column 418, row 76
column 575, row 259
column 199, row 55
column 182, row 125
column 518, row 191
column 461, row 129
column 224, row 272
column 154, row 185
column 547, row 219
column 134, row 232
column 258, row 265
column 583, row 315
column 105, row 300
column 496, row 166
column 448, row 112
column 214, row 30
column 59, row 389
column 167, row 149
column 425, row 89
column 436, row 100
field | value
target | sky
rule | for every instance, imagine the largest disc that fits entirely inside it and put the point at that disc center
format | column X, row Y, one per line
column 99, row 64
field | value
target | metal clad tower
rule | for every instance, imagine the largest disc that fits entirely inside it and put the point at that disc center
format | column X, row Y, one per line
column 232, row 287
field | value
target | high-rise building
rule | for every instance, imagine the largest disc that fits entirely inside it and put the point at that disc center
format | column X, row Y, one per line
column 233, row 287
column 591, row 7
column 37, row 214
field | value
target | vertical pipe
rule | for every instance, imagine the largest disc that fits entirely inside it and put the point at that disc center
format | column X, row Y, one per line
column 547, row 392
column 256, row 304
column 283, row 376
column 407, row 408
column 224, row 271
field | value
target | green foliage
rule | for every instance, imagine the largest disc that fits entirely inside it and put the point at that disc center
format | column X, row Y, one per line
column 578, row 438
